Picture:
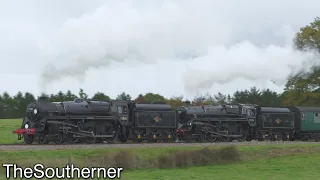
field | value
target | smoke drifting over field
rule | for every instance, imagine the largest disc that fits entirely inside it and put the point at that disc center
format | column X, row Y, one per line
column 199, row 46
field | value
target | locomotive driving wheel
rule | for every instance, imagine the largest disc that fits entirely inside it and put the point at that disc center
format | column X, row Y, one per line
column 70, row 139
column 243, row 132
column 209, row 135
column 69, row 135
column 58, row 139
column 110, row 128
column 90, row 140
column 224, row 138
column 211, row 138
column 200, row 137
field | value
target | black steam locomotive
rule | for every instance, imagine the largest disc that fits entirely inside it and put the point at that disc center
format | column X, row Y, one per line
column 89, row 121
column 96, row 121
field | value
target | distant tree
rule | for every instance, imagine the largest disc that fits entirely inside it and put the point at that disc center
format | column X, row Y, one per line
column 308, row 36
column 69, row 96
column 141, row 99
column 198, row 100
column 299, row 89
column 60, row 96
column 99, row 96
column 124, row 96
column 82, row 94
column 229, row 99
column 151, row 97
column 175, row 101
column 220, row 98
column 270, row 98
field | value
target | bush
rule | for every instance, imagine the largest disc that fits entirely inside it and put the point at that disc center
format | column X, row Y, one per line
column 179, row 159
column 201, row 157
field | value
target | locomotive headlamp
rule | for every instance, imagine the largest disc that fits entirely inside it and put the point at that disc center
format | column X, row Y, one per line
column 35, row 111
column 26, row 126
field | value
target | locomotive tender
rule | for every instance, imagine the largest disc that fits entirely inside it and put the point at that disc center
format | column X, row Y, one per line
column 116, row 120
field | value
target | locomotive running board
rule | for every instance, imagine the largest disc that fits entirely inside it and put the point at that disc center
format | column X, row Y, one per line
column 88, row 134
column 84, row 133
column 103, row 136
column 62, row 123
column 92, row 136
column 220, row 135
column 81, row 117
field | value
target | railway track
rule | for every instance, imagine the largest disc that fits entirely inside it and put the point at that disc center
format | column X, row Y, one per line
column 17, row 147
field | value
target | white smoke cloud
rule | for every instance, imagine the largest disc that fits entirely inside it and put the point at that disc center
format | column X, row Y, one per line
column 189, row 46
column 243, row 60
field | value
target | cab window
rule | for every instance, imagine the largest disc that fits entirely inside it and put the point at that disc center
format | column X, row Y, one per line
column 122, row 110
column 244, row 110
column 250, row 113
column 114, row 108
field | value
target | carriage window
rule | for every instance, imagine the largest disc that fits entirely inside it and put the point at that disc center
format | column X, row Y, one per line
column 316, row 114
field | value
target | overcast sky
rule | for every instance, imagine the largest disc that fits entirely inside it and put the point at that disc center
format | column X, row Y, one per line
column 182, row 47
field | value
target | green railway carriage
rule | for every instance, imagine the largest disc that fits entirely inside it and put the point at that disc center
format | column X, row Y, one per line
column 307, row 122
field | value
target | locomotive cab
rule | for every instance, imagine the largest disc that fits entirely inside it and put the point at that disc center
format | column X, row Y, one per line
column 123, row 113
column 249, row 112
column 121, row 109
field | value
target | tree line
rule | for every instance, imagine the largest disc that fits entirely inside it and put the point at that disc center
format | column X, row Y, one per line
column 301, row 89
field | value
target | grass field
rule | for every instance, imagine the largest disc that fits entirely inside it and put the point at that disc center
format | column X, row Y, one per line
column 241, row 162
column 96, row 156
column 301, row 166
column 6, row 128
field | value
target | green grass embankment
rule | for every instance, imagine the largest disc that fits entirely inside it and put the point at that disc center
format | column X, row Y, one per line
column 278, row 161
column 6, row 128
column 155, row 158
column 293, row 167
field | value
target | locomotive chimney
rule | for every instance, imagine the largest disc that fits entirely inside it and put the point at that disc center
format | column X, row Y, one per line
column 43, row 97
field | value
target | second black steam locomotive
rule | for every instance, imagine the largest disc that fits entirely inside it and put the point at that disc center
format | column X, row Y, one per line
column 89, row 121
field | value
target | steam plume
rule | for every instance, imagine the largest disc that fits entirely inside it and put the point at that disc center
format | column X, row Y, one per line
column 200, row 38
